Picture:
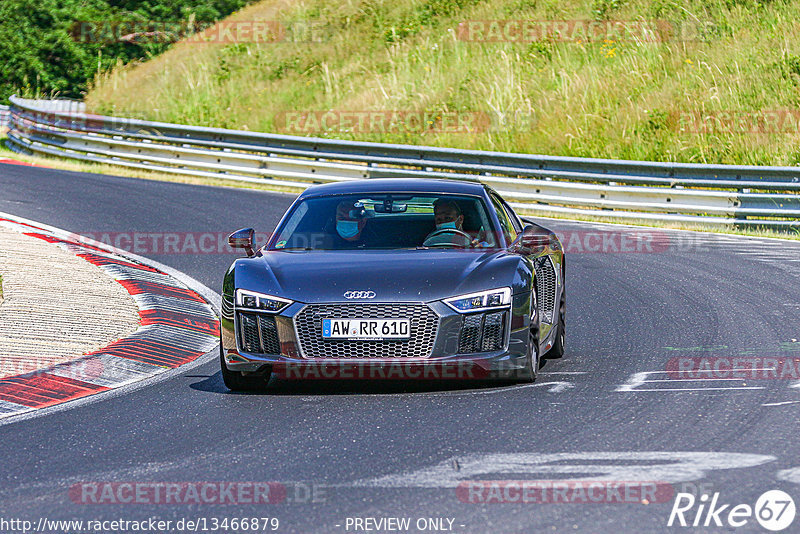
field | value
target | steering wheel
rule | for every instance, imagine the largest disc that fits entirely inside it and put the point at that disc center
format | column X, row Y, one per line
column 445, row 231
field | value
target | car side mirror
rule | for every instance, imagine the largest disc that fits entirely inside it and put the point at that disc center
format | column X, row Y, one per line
column 244, row 238
column 531, row 239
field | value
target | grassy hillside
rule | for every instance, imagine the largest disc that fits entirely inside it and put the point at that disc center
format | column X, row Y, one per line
column 600, row 97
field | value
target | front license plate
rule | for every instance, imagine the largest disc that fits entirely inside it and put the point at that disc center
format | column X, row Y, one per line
column 366, row 328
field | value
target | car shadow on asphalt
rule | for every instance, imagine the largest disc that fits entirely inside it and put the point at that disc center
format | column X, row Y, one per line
column 279, row 387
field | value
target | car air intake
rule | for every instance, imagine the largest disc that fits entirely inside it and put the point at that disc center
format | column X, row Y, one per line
column 482, row 332
column 546, row 289
column 258, row 333
column 424, row 326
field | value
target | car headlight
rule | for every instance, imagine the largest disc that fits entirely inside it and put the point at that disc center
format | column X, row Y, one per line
column 483, row 300
column 260, row 301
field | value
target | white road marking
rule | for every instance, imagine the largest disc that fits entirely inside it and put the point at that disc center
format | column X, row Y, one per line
column 790, row 475
column 639, row 379
column 636, row 379
column 692, row 379
column 555, row 387
column 696, row 389
column 779, row 403
column 666, row 467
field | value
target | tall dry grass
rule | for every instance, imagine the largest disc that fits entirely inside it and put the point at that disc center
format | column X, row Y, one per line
column 604, row 98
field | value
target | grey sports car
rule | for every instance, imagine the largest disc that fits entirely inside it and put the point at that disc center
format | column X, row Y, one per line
column 394, row 278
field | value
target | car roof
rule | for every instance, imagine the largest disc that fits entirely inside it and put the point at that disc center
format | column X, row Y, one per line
column 396, row 185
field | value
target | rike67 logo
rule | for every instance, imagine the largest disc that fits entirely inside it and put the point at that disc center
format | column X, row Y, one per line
column 774, row 510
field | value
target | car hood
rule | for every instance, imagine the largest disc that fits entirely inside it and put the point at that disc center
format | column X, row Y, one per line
column 405, row 275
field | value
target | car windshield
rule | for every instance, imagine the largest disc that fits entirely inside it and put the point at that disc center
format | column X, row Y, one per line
column 387, row 221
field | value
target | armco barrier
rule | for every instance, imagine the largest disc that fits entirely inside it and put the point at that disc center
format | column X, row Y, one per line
column 711, row 194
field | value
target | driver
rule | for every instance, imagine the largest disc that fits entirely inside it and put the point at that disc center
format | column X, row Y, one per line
column 447, row 214
column 449, row 225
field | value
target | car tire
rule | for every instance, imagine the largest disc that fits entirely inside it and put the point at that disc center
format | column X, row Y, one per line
column 236, row 381
column 534, row 361
column 557, row 351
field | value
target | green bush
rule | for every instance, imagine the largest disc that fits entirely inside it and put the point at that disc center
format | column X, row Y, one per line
column 40, row 56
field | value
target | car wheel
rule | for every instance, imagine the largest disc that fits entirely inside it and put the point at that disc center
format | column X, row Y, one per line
column 557, row 351
column 533, row 361
column 236, row 381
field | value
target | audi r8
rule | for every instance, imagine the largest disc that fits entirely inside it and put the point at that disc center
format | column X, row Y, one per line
column 394, row 278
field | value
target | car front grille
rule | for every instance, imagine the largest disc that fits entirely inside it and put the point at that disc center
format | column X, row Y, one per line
column 546, row 289
column 424, row 325
column 482, row 332
column 258, row 333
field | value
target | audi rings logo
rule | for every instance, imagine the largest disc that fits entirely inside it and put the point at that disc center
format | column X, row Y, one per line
column 359, row 295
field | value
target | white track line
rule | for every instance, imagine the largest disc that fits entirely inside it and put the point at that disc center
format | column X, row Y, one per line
column 693, row 389
column 641, row 378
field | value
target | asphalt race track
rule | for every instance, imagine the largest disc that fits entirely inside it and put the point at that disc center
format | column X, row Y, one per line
column 613, row 409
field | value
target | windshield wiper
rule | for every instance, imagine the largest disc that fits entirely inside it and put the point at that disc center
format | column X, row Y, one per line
column 294, row 248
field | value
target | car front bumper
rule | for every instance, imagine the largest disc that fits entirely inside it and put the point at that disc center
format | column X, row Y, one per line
column 445, row 361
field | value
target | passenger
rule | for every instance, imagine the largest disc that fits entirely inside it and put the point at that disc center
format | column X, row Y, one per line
column 351, row 225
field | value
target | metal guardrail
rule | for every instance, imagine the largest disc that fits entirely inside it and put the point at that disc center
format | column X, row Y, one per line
column 533, row 184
